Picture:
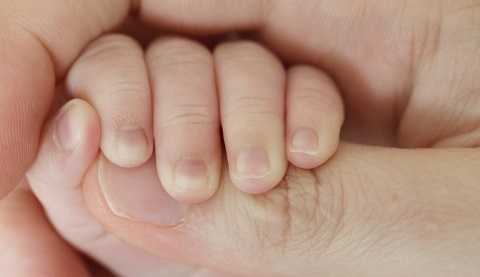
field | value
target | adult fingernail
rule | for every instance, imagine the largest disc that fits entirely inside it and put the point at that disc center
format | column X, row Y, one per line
column 304, row 140
column 253, row 163
column 132, row 146
column 67, row 134
column 190, row 175
column 137, row 194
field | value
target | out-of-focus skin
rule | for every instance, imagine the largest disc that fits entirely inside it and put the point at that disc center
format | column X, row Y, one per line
column 30, row 245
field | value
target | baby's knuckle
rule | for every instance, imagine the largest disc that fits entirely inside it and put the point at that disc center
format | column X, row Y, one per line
column 127, row 87
column 188, row 115
column 245, row 107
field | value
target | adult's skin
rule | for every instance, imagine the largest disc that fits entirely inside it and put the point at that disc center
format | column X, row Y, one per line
column 369, row 212
column 413, row 64
column 407, row 70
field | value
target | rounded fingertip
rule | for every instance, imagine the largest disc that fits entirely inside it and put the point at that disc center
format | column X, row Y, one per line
column 192, row 180
column 315, row 117
column 70, row 144
column 307, row 150
column 128, row 147
column 72, row 125
column 255, row 171
column 256, row 186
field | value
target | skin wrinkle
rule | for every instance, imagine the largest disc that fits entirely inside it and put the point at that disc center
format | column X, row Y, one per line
column 311, row 222
column 441, row 36
column 424, row 49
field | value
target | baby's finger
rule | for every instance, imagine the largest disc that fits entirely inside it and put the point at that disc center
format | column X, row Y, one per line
column 314, row 117
column 69, row 147
column 187, row 128
column 112, row 76
column 252, row 97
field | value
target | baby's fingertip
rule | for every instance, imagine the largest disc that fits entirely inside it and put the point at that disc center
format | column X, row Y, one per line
column 315, row 116
column 128, row 147
column 186, row 118
column 116, row 83
column 194, row 181
column 308, row 149
column 73, row 127
column 70, row 144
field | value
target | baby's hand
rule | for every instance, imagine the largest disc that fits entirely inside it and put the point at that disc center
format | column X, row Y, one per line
column 182, row 97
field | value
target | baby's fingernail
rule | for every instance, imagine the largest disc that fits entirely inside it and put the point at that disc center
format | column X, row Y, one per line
column 253, row 163
column 132, row 145
column 304, row 140
column 190, row 175
column 138, row 195
column 67, row 134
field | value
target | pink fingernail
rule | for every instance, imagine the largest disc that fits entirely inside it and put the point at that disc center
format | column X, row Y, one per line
column 67, row 132
column 253, row 163
column 304, row 140
column 132, row 145
column 190, row 175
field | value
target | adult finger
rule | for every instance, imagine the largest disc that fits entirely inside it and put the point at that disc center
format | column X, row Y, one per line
column 111, row 75
column 43, row 254
column 38, row 42
column 359, row 214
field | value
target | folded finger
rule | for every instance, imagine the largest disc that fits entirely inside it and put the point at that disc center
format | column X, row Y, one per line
column 112, row 76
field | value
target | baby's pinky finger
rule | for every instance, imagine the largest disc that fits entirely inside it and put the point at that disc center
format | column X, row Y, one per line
column 315, row 116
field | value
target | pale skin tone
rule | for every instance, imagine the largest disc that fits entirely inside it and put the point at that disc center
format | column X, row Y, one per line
column 407, row 70
column 180, row 96
column 97, row 69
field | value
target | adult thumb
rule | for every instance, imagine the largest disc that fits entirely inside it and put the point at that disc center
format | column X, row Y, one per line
column 368, row 212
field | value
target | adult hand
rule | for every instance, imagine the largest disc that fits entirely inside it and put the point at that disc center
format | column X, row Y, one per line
column 412, row 64
column 370, row 211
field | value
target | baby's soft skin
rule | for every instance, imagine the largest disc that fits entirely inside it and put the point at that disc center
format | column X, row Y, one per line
column 181, row 97
column 259, row 102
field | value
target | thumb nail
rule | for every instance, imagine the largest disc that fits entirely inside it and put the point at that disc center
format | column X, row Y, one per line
column 68, row 131
column 138, row 195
